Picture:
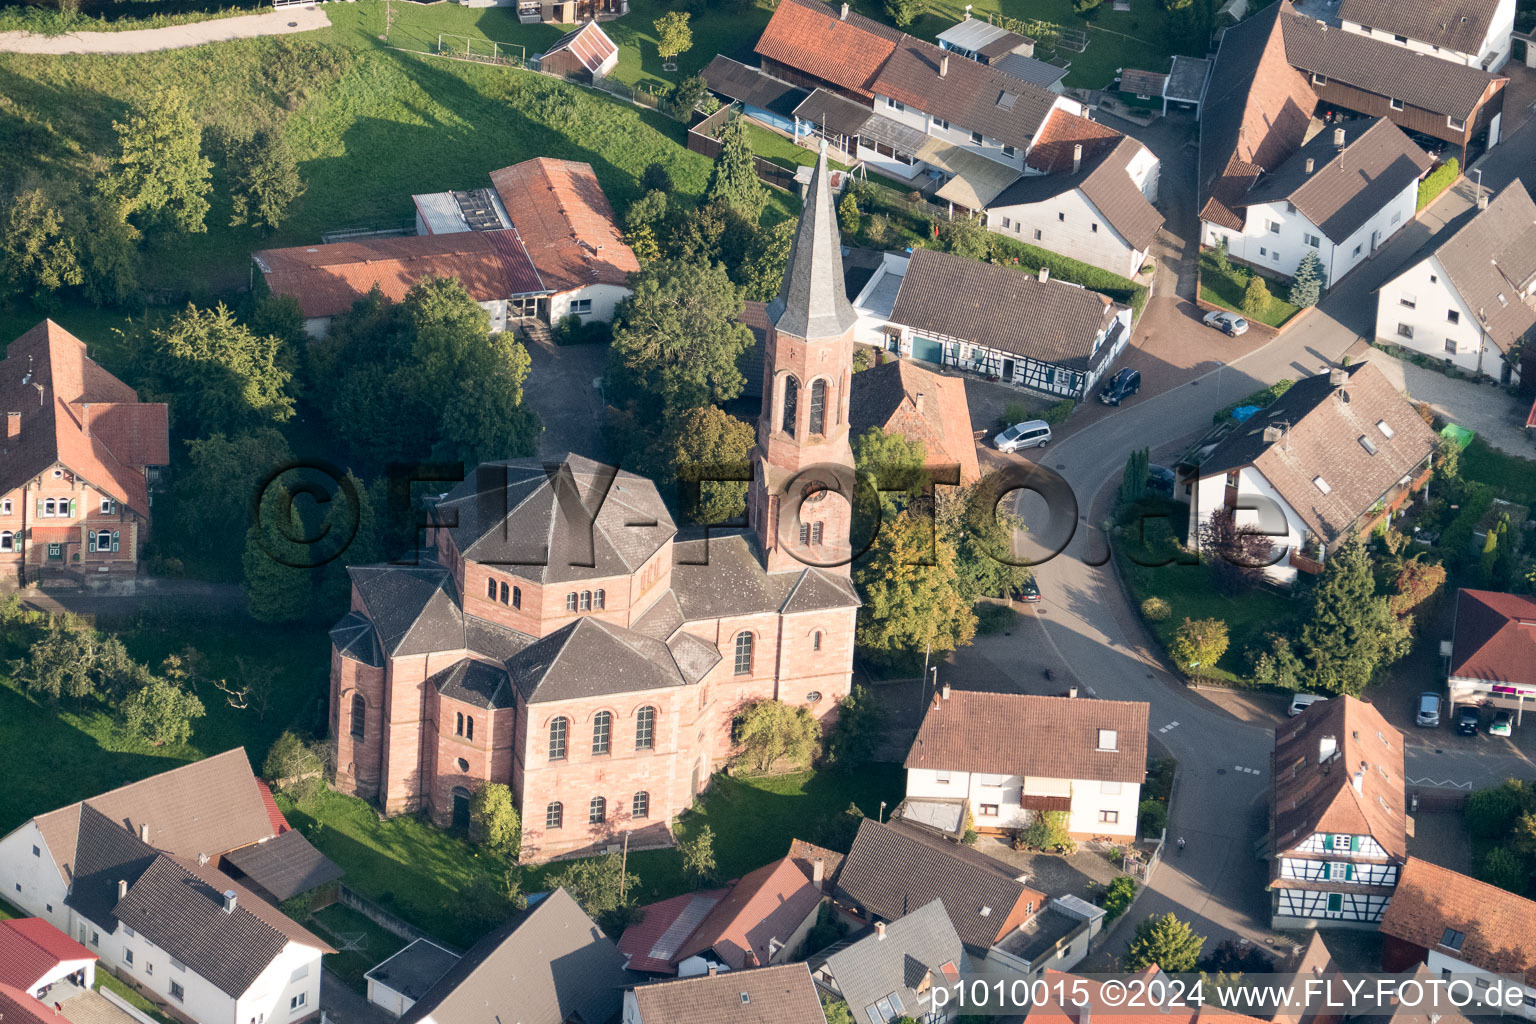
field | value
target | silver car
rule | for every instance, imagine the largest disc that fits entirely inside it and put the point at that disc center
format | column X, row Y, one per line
column 1428, row 714
column 1029, row 434
column 1227, row 323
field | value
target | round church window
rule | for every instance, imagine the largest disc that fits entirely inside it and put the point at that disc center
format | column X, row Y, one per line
column 813, row 697
column 463, row 765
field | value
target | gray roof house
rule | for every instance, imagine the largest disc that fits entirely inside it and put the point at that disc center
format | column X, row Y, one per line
column 891, row 972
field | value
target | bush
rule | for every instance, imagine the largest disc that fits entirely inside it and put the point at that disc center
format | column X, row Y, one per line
column 1059, row 412
column 1155, row 609
column 1030, row 258
column 1118, row 897
column 572, row 330
column 1152, row 818
column 1048, row 832
column 1506, row 869
column 1490, row 812
column 1256, row 297
column 1437, row 181
column 1261, row 398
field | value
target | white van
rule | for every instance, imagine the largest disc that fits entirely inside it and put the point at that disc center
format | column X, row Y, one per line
column 1030, row 434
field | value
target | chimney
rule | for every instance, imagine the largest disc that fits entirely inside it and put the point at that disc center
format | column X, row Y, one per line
column 1338, row 377
column 751, row 958
column 1072, row 691
column 1359, row 781
column 967, row 12
column 85, row 418
column 1338, row 138
column 143, row 825
column 229, row 901
column 1311, row 164
column 12, row 425
column 1273, row 433
column 122, row 888
column 944, row 690
column 202, row 859
column 880, row 930
column 712, row 968
column 944, row 65
column 818, row 871
column 1045, row 274
column 844, row 15
column 1077, row 157
column 917, row 401
column 1326, row 748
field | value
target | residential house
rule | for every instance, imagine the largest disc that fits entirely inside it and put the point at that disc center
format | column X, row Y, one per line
column 761, row 919
column 80, row 453
column 765, row 995
column 35, row 956
column 562, row 12
column 1006, row 758
column 812, row 45
column 1476, row 33
column 1091, row 200
column 550, row 964
column 1471, row 300
column 1004, row 925
column 891, row 972
column 1312, row 986
column 900, row 397
column 1333, row 456
column 131, row 875
column 957, row 312
column 561, row 254
column 1464, row 927
column 396, row 984
column 583, row 54
column 1343, row 195
column 806, row 855
column 1437, row 1007
column 17, row 1007
column 762, row 97
column 1080, row 1000
column 1338, row 831
column 599, row 671
column 1493, row 651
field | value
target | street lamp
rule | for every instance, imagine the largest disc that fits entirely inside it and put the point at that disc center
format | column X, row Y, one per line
column 880, row 817
column 1479, row 172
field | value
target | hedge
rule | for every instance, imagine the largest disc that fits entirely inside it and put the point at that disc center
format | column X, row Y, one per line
column 1261, row 398
column 1121, row 289
column 1437, row 181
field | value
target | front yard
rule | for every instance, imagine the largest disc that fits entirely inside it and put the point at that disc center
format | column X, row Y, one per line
column 1226, row 289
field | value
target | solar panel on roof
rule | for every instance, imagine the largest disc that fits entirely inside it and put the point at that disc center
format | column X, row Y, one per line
column 478, row 209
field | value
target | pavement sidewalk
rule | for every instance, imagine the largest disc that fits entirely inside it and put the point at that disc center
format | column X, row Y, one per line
column 174, row 37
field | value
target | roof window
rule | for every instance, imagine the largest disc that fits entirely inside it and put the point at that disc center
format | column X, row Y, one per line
column 1385, row 429
column 1367, row 444
column 1322, row 485
column 1109, row 739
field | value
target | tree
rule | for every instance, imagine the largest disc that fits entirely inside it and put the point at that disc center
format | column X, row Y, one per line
column 219, row 375
column 733, row 180
column 677, row 339
column 673, row 34
column 1164, row 942
column 221, row 478
column 109, row 248
column 698, row 852
column 37, row 254
column 161, row 712
column 1278, row 666
column 1351, row 631
column 277, row 576
column 1118, row 896
column 1489, row 812
column 1256, row 297
column 1220, row 256
column 858, row 731
column 1048, row 831
column 685, row 95
column 761, row 273
column 1236, row 958
column 594, row 882
column 701, row 446
column 912, row 595
column 848, row 217
column 964, row 236
column 650, row 210
column 486, row 418
column 263, row 178
column 1416, row 582
column 770, row 732
column 1236, row 554
column 354, row 532
column 905, row 12
column 1198, row 644
column 657, row 177
column 1151, row 818
column 1133, row 480
column 982, row 531
column 493, row 820
column 836, row 1010
column 161, row 171
column 75, row 661
column 293, row 765
column 1505, row 869
column 1307, row 285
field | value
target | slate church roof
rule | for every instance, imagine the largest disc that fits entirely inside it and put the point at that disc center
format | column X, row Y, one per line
column 812, row 302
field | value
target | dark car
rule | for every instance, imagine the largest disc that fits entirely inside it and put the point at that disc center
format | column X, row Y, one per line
column 1160, row 480
column 1467, row 720
column 1028, row 591
column 1120, row 387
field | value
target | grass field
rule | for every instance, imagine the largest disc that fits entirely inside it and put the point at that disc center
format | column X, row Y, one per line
column 1226, row 290
column 362, row 944
column 1511, row 477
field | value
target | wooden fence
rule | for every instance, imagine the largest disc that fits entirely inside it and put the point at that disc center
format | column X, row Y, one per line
column 390, row 922
column 701, row 139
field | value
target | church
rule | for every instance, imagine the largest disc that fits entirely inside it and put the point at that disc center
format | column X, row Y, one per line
column 558, row 637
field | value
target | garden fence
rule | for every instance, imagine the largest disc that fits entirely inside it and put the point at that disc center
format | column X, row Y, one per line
column 390, row 922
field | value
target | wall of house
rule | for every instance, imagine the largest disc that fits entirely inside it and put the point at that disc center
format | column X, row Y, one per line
column 1093, row 800
column 1438, row 125
column 603, row 297
column 1071, row 225
column 288, row 990
column 1480, row 691
column 1496, row 43
column 1370, row 236
column 1335, row 896
column 393, row 1002
column 1089, row 797
column 1432, row 296
column 358, row 759
column 1482, row 981
column 31, row 881
column 958, row 135
column 1210, row 495
column 293, row 974
column 463, row 761
column 85, row 510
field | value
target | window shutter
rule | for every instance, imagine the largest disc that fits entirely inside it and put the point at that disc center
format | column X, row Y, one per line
column 1349, row 872
column 90, row 540
column 71, row 508
column 39, row 506
column 1354, row 842
column 115, row 534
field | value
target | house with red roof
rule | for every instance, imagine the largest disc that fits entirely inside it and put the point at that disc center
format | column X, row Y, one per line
column 35, row 956
column 76, row 463
column 1493, row 650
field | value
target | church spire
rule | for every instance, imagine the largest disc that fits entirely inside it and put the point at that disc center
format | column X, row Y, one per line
column 812, row 302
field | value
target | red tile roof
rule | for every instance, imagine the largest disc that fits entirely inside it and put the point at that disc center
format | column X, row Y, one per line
column 1142, row 83
column 770, row 995
column 588, row 44
column 769, row 903
column 1498, row 928
column 77, row 414
column 1495, row 638
column 1053, row 152
column 327, row 279
column 566, row 223
column 17, row 1007
column 652, row 944
column 809, row 36
column 275, row 816
column 888, row 396
column 31, row 947
column 1054, row 1011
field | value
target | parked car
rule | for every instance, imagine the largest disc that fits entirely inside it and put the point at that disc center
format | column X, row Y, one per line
column 1501, row 725
column 1229, row 324
column 1467, row 720
column 1160, row 480
column 1029, row 434
column 1120, row 387
column 1429, row 710
column 1302, row 701
column 1028, row 591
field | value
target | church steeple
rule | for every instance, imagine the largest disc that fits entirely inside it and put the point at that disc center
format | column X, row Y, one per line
column 802, row 453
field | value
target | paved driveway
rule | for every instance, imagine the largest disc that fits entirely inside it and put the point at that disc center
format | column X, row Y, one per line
column 175, row 37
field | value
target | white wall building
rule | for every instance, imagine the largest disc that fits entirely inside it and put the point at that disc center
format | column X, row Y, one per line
column 1478, row 34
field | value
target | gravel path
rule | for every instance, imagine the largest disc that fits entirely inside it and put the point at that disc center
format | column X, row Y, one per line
column 175, row 37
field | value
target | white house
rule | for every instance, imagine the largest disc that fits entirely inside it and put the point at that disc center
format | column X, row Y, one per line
column 1467, row 929
column 1338, row 826
column 1472, row 300
column 1343, row 194
column 1493, row 652
column 1010, row 757
column 1476, row 33
column 1089, row 196
column 1332, row 456
column 131, row 876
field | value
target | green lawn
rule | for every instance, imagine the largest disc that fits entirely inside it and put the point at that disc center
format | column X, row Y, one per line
column 1511, row 477
column 8, row 912
column 363, row 945
column 1226, row 290
column 420, row 871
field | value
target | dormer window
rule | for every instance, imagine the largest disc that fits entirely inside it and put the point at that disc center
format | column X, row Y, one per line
column 1109, row 739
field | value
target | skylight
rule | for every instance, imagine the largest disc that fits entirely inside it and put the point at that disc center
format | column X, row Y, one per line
column 1367, row 444
column 1386, row 431
column 1322, row 485
column 1452, row 939
column 1006, row 100
column 1109, row 739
